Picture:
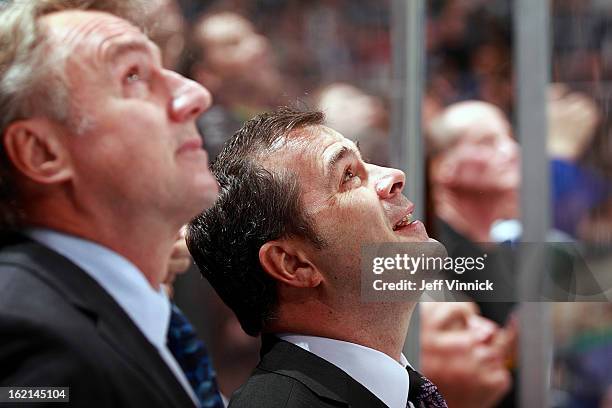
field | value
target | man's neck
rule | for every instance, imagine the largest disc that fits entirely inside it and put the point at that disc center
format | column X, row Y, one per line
column 381, row 327
column 148, row 246
column 473, row 213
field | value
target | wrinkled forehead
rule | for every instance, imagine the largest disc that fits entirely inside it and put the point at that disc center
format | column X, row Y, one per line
column 493, row 125
column 307, row 151
column 87, row 34
column 309, row 154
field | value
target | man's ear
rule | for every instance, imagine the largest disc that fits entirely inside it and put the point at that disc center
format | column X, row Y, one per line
column 286, row 263
column 35, row 149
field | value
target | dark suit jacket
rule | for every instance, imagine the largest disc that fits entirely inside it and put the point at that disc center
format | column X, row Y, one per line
column 58, row 327
column 291, row 377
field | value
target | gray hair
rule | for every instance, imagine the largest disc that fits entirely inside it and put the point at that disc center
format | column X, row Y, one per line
column 32, row 79
column 446, row 128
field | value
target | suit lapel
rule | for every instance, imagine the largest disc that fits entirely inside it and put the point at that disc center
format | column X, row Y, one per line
column 320, row 376
column 113, row 324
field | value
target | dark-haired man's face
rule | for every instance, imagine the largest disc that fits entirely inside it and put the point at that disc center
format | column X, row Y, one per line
column 351, row 202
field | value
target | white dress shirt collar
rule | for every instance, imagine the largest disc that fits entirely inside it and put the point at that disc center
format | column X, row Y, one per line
column 379, row 373
column 148, row 309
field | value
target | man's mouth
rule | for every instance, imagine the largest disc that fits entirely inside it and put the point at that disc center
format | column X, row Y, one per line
column 407, row 220
column 192, row 144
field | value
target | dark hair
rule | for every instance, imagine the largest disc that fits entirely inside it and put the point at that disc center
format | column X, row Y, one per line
column 255, row 205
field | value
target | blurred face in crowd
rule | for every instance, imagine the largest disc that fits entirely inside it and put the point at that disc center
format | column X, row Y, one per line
column 462, row 354
column 350, row 201
column 351, row 111
column 168, row 30
column 484, row 157
column 233, row 48
column 133, row 144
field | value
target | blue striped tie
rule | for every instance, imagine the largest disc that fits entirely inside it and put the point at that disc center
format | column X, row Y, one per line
column 191, row 354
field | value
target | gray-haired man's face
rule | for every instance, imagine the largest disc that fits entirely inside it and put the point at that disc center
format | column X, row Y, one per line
column 138, row 148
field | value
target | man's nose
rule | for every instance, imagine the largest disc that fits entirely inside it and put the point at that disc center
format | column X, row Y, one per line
column 390, row 182
column 257, row 46
column 483, row 328
column 189, row 99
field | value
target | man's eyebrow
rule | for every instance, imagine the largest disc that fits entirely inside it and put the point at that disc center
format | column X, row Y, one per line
column 117, row 50
column 338, row 155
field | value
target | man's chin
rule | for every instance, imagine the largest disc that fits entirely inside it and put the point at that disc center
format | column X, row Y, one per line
column 425, row 246
column 208, row 191
column 208, row 200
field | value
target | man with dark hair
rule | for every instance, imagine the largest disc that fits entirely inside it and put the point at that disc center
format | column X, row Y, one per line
column 282, row 247
column 101, row 166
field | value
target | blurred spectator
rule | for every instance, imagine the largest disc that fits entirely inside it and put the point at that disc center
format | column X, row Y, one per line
column 232, row 56
column 584, row 336
column 475, row 173
column 464, row 354
column 320, row 41
column 572, row 120
column 577, row 38
column 577, row 188
column 596, row 228
column 474, row 169
column 236, row 63
column 167, row 29
column 361, row 117
column 468, row 52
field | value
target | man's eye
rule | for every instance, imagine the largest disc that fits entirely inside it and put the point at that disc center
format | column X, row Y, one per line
column 132, row 76
column 348, row 175
column 457, row 323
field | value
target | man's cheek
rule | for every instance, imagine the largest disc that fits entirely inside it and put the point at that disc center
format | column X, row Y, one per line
column 456, row 342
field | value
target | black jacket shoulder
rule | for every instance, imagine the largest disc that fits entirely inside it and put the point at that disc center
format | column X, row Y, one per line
column 59, row 328
column 290, row 377
column 274, row 390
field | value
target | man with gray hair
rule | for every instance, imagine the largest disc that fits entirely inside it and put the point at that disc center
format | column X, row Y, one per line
column 100, row 165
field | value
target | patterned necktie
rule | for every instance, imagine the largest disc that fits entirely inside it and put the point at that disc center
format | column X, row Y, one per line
column 191, row 354
column 423, row 393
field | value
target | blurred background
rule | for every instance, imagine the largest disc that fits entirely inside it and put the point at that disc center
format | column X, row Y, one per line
column 341, row 56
